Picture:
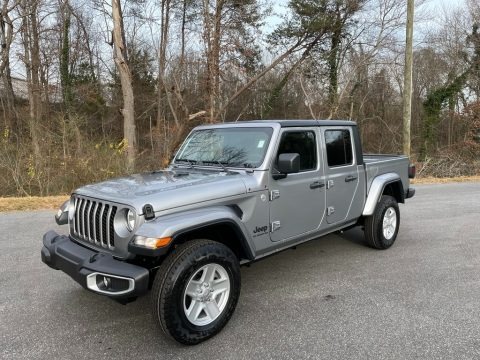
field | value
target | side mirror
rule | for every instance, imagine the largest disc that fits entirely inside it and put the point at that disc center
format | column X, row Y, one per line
column 288, row 163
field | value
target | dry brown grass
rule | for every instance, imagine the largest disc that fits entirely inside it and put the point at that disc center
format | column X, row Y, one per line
column 435, row 180
column 53, row 202
column 31, row 203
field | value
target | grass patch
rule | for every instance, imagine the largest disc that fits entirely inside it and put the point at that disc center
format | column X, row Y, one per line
column 435, row 180
column 53, row 202
column 32, row 203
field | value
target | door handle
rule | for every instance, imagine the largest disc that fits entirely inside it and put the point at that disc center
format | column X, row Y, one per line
column 350, row 178
column 316, row 185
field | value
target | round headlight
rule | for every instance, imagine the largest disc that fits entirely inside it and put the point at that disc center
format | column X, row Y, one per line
column 130, row 220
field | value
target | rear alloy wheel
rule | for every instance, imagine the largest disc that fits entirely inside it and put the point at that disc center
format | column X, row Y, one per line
column 389, row 224
column 196, row 290
column 381, row 228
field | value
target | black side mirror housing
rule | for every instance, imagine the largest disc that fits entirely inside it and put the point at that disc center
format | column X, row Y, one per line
column 288, row 163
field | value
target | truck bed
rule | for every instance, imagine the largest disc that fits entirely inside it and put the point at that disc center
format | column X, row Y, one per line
column 378, row 164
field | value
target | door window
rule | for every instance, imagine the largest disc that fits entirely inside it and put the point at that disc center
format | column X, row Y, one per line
column 339, row 147
column 302, row 143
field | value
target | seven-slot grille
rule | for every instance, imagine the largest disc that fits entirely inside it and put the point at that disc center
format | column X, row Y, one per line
column 93, row 222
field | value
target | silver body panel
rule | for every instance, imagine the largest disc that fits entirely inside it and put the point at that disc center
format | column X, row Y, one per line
column 275, row 214
column 375, row 191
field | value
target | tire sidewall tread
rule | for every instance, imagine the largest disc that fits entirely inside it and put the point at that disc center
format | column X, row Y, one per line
column 171, row 278
column 374, row 224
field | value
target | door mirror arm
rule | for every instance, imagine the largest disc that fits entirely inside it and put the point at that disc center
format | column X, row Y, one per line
column 278, row 175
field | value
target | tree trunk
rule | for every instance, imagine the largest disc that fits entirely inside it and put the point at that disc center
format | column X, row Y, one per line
column 120, row 57
column 332, row 60
column 408, row 79
column 65, row 57
column 212, row 34
column 162, row 60
column 6, row 39
column 31, row 59
column 182, row 46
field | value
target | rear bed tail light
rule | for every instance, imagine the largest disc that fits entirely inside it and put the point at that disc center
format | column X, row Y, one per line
column 412, row 170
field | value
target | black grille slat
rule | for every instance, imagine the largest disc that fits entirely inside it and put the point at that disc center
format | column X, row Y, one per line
column 91, row 221
column 82, row 217
column 100, row 224
column 88, row 207
column 78, row 215
column 94, row 221
column 97, row 222
column 112, row 231
column 104, row 225
column 75, row 217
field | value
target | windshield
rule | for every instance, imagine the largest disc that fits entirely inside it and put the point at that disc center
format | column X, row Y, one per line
column 235, row 147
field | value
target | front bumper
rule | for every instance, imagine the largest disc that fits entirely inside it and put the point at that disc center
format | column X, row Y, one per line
column 95, row 271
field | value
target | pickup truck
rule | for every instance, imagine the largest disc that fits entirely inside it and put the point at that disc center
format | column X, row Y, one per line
column 233, row 194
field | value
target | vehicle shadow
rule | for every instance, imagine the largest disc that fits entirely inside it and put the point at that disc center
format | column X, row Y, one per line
column 115, row 329
column 354, row 236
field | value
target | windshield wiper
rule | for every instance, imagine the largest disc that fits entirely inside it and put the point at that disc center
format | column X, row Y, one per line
column 223, row 166
column 212, row 162
column 190, row 163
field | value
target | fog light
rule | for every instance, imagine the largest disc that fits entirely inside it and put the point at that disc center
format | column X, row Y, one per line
column 110, row 284
column 106, row 282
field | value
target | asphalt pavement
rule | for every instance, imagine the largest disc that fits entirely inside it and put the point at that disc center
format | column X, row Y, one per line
column 331, row 298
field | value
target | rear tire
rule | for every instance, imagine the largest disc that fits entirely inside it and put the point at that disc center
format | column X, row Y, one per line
column 196, row 290
column 381, row 228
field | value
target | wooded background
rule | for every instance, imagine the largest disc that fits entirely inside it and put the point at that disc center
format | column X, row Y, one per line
column 92, row 89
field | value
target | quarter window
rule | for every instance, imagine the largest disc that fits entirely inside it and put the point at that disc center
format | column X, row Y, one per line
column 302, row 143
column 339, row 147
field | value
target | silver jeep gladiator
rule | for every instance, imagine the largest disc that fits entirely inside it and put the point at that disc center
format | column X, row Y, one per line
column 233, row 193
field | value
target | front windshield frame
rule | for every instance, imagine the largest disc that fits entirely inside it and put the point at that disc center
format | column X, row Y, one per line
column 180, row 159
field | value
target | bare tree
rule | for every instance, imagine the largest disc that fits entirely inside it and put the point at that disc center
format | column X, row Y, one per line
column 31, row 58
column 6, row 39
column 120, row 56
column 212, row 34
column 407, row 88
column 162, row 89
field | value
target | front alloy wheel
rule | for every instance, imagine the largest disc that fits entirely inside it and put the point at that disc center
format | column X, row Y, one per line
column 206, row 294
column 196, row 290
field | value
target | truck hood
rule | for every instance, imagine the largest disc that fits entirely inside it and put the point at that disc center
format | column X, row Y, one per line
column 167, row 189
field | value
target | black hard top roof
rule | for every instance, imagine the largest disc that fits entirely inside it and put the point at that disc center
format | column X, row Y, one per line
column 301, row 123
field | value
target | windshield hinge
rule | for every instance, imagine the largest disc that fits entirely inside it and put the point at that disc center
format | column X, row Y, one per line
column 274, row 194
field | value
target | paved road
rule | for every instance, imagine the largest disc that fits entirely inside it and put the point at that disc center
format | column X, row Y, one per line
column 332, row 298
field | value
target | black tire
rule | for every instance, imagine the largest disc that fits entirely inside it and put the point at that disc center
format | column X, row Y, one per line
column 170, row 283
column 374, row 234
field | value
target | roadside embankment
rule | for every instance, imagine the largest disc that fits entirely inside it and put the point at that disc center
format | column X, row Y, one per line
column 31, row 203
column 53, row 202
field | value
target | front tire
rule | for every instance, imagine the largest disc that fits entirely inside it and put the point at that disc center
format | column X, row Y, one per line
column 381, row 228
column 196, row 290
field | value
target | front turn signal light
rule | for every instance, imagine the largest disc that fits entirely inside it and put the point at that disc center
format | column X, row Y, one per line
column 151, row 243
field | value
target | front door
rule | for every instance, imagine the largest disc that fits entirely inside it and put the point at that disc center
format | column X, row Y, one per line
column 298, row 201
column 341, row 173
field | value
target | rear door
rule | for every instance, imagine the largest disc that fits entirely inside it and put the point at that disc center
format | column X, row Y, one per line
column 341, row 172
column 298, row 201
